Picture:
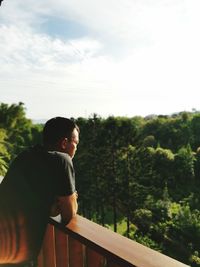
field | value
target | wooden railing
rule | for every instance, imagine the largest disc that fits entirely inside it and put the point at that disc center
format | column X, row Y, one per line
column 83, row 243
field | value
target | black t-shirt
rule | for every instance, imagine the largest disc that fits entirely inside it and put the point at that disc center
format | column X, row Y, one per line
column 35, row 178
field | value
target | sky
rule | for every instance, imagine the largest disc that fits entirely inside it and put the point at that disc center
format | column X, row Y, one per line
column 113, row 58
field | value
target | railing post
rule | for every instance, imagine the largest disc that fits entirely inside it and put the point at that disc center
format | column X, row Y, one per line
column 76, row 253
column 94, row 259
column 48, row 250
column 61, row 249
column 41, row 259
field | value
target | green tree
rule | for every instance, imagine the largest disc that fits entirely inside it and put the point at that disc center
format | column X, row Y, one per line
column 184, row 162
column 4, row 155
column 163, row 165
column 195, row 128
column 18, row 127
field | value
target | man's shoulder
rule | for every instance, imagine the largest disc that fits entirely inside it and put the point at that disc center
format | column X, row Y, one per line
column 64, row 157
column 38, row 155
column 30, row 151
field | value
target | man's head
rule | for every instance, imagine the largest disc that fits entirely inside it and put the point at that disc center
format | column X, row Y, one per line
column 61, row 134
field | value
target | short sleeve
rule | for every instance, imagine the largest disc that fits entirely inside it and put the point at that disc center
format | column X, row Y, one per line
column 66, row 177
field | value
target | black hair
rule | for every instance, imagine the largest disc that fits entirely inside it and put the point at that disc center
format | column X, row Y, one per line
column 57, row 128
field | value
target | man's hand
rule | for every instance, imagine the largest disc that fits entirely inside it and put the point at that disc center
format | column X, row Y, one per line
column 67, row 206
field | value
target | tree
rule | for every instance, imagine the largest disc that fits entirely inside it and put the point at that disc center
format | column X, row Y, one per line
column 4, row 154
column 195, row 127
column 184, row 162
column 18, row 127
column 163, row 165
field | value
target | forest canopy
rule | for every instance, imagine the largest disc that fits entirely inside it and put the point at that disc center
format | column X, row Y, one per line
column 139, row 176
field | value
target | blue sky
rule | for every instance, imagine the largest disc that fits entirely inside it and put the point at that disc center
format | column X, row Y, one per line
column 121, row 58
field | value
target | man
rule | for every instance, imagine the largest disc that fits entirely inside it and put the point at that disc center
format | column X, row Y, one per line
column 39, row 183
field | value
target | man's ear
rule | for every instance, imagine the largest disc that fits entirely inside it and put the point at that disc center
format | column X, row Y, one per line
column 63, row 143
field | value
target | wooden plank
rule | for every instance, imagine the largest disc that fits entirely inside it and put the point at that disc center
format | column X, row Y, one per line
column 76, row 253
column 94, row 259
column 119, row 249
column 61, row 249
column 40, row 259
column 49, row 247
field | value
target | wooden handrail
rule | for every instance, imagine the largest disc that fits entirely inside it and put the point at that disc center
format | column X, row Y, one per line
column 116, row 249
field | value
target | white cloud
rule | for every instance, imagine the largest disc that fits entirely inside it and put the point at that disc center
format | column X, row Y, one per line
column 29, row 49
column 35, row 67
column 122, row 19
column 123, row 23
column 134, row 22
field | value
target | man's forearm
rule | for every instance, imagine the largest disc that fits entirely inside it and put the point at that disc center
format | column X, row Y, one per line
column 68, row 207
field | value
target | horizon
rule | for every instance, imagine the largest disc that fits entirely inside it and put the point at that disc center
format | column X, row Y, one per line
column 42, row 121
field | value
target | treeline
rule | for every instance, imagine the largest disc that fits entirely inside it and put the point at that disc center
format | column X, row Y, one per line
column 138, row 175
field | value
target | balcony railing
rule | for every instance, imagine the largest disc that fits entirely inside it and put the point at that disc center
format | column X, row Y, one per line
column 83, row 243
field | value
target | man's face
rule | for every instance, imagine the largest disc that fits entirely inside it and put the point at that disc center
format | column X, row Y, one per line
column 71, row 145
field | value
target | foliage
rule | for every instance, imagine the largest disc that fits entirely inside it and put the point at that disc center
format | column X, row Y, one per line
column 16, row 132
column 143, row 174
column 4, row 155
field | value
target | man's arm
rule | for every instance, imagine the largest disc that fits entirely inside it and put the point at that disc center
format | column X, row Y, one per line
column 67, row 206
